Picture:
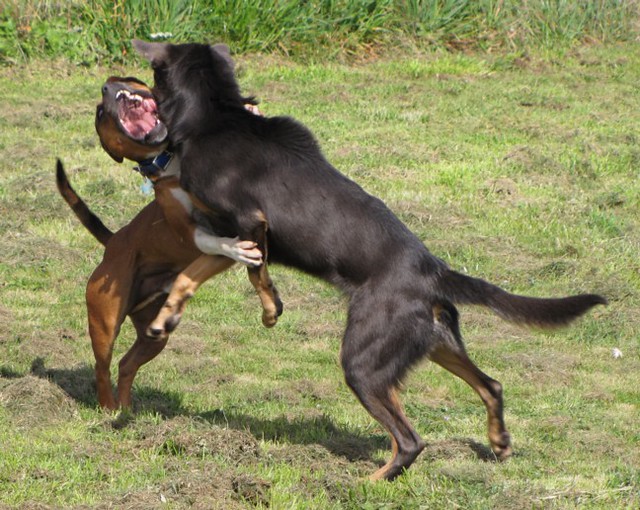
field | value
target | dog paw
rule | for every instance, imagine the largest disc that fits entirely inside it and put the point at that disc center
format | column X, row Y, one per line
column 154, row 332
column 502, row 449
column 246, row 252
column 172, row 323
column 269, row 319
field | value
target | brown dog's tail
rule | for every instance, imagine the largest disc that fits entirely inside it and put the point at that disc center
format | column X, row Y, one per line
column 544, row 312
column 91, row 222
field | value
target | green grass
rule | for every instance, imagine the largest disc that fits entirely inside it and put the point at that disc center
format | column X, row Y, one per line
column 99, row 31
column 523, row 171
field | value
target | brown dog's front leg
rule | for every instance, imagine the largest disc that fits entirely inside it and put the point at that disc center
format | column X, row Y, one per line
column 206, row 266
column 184, row 287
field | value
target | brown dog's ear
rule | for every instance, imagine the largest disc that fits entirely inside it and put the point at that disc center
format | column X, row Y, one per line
column 118, row 159
column 154, row 52
column 223, row 51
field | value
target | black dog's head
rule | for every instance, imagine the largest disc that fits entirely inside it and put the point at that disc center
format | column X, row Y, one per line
column 194, row 85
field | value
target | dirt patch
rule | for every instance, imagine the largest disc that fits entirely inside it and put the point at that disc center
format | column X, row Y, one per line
column 502, row 187
column 32, row 506
column 35, row 402
column 251, row 489
column 198, row 490
column 456, row 449
column 529, row 160
column 186, row 436
column 203, row 465
column 298, row 392
column 77, row 381
column 323, row 471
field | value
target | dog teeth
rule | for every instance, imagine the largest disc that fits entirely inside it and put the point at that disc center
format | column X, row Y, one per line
column 131, row 97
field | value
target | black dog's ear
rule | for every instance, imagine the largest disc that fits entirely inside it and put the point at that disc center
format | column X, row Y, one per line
column 154, row 52
column 223, row 51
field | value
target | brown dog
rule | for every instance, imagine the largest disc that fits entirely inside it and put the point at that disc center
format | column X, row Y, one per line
column 142, row 259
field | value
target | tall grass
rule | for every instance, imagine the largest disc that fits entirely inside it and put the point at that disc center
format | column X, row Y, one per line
column 99, row 30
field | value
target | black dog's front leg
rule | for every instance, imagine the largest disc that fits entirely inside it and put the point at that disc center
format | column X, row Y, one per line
column 254, row 226
column 221, row 191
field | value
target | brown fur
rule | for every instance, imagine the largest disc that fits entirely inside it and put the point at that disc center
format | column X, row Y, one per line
column 141, row 260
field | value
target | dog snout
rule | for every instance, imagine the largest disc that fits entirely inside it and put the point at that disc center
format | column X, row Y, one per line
column 107, row 89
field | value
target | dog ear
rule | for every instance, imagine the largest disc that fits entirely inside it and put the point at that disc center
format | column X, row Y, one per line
column 118, row 159
column 154, row 52
column 223, row 51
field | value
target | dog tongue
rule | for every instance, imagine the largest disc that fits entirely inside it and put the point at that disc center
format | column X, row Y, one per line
column 139, row 120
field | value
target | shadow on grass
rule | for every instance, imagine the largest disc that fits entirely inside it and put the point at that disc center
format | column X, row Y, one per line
column 9, row 373
column 79, row 384
column 319, row 430
column 482, row 451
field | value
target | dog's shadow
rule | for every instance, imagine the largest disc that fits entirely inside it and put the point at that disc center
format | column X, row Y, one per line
column 79, row 384
column 320, row 430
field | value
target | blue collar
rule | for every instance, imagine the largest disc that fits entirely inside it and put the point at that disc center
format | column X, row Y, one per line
column 153, row 167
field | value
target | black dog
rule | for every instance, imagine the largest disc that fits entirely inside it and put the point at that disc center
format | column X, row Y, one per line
column 268, row 173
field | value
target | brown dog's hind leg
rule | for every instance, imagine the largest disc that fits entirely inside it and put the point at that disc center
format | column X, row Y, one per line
column 143, row 350
column 102, row 338
column 105, row 306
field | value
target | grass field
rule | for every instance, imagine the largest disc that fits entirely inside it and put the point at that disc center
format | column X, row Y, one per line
column 521, row 170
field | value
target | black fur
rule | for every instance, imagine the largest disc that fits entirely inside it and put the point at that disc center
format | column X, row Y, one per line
column 401, row 297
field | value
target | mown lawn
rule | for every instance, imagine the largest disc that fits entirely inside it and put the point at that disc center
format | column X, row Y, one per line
column 523, row 171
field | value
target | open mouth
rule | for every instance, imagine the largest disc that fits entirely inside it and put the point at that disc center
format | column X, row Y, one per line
column 138, row 116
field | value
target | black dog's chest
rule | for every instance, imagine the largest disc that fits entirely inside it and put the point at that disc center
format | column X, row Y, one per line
column 214, row 223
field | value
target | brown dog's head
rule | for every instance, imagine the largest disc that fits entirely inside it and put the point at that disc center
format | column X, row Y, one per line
column 195, row 85
column 127, row 121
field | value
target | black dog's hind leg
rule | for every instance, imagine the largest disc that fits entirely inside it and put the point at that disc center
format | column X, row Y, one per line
column 376, row 352
column 450, row 354
column 386, row 408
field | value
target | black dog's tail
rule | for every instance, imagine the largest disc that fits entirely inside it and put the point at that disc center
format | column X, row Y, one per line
column 544, row 312
column 91, row 222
